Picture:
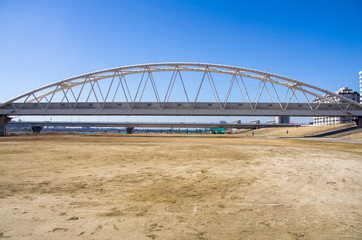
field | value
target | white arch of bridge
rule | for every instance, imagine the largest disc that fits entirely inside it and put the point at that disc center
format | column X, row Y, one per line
column 44, row 95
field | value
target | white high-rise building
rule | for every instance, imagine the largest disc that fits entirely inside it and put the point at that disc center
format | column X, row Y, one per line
column 360, row 83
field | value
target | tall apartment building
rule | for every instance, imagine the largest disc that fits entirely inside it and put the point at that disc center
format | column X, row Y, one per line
column 360, row 83
column 282, row 119
column 345, row 92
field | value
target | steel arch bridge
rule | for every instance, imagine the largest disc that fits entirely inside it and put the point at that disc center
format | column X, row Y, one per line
column 178, row 89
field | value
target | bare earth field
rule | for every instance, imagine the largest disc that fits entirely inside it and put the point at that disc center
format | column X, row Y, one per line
column 179, row 187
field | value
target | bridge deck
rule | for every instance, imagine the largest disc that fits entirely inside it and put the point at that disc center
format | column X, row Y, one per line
column 181, row 109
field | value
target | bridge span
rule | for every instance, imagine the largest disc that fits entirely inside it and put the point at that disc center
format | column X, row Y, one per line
column 181, row 109
column 180, row 89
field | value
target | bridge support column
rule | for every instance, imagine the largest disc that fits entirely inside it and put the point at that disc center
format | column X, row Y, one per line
column 358, row 122
column 36, row 129
column 4, row 119
column 129, row 130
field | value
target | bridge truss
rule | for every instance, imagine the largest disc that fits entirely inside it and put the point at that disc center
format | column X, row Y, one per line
column 181, row 89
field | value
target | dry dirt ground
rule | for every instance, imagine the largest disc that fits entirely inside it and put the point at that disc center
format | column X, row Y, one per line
column 179, row 187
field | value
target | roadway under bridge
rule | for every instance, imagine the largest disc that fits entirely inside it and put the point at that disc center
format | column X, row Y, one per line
column 179, row 89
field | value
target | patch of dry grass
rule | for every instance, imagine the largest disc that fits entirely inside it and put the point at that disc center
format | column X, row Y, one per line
column 292, row 131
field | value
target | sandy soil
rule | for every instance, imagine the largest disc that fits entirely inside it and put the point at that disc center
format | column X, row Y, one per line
column 179, row 187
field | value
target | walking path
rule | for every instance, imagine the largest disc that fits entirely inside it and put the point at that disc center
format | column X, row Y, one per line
column 347, row 140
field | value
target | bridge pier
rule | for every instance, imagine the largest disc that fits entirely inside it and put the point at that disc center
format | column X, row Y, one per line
column 129, row 130
column 4, row 119
column 358, row 122
column 36, row 129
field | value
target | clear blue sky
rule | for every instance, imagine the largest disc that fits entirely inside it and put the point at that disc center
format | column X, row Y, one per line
column 318, row 42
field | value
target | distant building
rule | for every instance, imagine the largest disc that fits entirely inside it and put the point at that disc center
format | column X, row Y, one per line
column 255, row 122
column 347, row 93
column 282, row 119
column 360, row 83
column 236, row 122
column 271, row 122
